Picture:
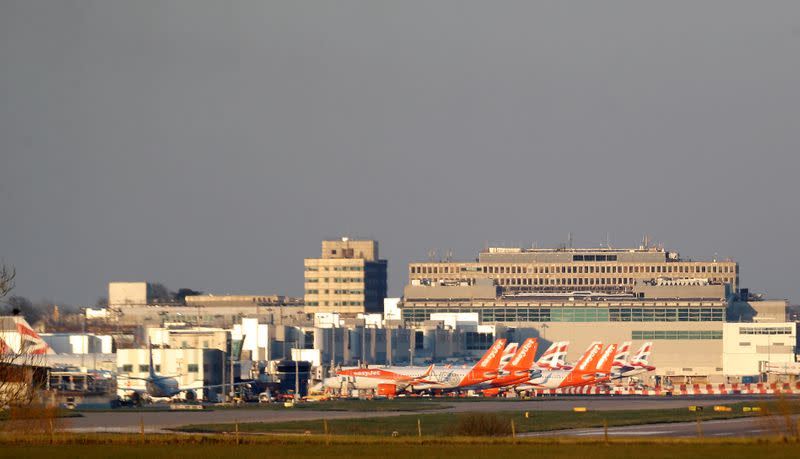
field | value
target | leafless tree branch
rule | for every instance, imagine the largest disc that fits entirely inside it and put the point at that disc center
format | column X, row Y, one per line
column 7, row 275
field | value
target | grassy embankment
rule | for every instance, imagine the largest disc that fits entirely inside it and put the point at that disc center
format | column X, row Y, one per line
column 187, row 446
column 438, row 424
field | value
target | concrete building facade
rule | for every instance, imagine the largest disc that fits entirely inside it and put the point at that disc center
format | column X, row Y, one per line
column 194, row 368
column 519, row 270
column 750, row 348
column 128, row 293
column 348, row 278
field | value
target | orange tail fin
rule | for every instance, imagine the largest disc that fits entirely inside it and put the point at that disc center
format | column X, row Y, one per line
column 588, row 361
column 491, row 359
column 523, row 359
column 606, row 359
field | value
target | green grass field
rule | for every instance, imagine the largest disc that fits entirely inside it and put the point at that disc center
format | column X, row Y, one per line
column 441, row 423
column 615, row 450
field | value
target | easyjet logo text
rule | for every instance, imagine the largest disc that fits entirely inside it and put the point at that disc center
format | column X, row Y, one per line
column 590, row 357
column 491, row 355
column 522, row 352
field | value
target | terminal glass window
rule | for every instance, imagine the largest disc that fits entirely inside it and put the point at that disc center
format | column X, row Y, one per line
column 676, row 334
column 479, row 341
column 765, row 331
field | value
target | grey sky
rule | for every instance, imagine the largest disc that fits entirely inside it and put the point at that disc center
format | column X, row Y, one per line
column 212, row 145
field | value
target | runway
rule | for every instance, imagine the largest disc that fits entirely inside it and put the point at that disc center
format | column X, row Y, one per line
column 159, row 421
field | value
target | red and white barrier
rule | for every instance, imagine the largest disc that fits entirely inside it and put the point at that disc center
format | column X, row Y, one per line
column 682, row 389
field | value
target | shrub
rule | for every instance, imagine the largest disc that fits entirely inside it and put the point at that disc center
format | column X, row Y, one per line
column 480, row 425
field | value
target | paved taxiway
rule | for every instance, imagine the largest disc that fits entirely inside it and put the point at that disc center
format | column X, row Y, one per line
column 156, row 421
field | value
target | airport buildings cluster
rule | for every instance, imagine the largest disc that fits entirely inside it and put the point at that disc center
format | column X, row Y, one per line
column 705, row 326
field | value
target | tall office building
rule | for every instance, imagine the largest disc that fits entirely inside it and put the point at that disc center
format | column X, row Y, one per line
column 348, row 278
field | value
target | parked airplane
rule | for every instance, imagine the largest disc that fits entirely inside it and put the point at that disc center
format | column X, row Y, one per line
column 637, row 365
column 18, row 337
column 508, row 354
column 553, row 357
column 518, row 370
column 621, row 359
column 560, row 359
column 449, row 379
column 594, row 365
column 415, row 378
column 160, row 386
column 372, row 378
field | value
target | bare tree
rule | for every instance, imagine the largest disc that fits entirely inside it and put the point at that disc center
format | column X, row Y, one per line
column 7, row 275
column 19, row 305
column 21, row 355
column 21, row 375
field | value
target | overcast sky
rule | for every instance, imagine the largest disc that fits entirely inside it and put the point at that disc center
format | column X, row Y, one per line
column 213, row 145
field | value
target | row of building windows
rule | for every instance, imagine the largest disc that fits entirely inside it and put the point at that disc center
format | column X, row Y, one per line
column 594, row 258
column 765, row 331
column 144, row 368
column 335, row 280
column 675, row 334
column 334, row 268
column 565, row 281
column 577, row 269
column 335, row 303
column 337, row 292
column 487, row 315
column 476, row 341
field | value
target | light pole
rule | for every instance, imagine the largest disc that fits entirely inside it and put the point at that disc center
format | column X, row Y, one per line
column 296, row 375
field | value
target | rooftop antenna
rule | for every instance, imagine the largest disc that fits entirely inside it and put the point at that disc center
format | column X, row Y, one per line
column 431, row 255
column 449, row 256
column 569, row 238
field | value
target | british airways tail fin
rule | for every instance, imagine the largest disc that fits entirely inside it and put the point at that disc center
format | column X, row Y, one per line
column 621, row 359
column 508, row 354
column 642, row 355
column 546, row 360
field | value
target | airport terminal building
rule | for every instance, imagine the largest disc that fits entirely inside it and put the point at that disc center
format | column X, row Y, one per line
column 612, row 295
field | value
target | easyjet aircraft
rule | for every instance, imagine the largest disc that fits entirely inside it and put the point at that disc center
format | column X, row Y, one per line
column 637, row 365
column 593, row 366
column 371, row 378
column 486, row 369
column 518, row 370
